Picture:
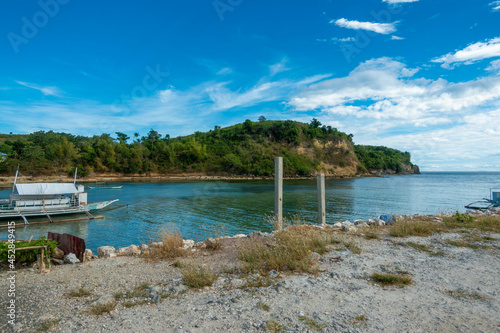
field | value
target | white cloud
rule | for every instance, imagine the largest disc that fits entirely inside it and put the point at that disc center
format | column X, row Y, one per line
column 494, row 66
column 396, row 38
column 472, row 53
column 47, row 91
column 381, row 99
column 495, row 5
column 399, row 1
column 343, row 40
column 381, row 28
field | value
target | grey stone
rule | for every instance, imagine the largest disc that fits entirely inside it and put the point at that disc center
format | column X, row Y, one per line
column 155, row 290
column 155, row 298
column 104, row 300
column 106, row 252
column 57, row 261
column 71, row 259
column 274, row 274
column 237, row 283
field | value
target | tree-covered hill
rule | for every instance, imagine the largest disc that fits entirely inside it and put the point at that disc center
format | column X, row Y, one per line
column 243, row 149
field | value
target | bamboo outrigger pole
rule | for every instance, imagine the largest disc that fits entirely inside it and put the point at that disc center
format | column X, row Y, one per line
column 15, row 179
column 74, row 179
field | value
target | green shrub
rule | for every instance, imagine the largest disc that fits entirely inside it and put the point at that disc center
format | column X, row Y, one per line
column 28, row 256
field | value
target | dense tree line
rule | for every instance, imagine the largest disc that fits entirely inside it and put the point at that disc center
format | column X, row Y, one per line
column 243, row 149
column 382, row 158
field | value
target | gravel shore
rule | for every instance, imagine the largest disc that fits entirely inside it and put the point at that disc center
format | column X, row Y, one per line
column 455, row 289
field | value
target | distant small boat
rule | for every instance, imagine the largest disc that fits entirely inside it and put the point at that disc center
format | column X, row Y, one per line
column 485, row 204
column 104, row 186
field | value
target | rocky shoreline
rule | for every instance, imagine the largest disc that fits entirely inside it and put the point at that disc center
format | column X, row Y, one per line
column 455, row 288
column 7, row 181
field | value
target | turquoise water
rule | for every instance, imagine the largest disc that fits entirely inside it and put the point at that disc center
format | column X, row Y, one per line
column 241, row 206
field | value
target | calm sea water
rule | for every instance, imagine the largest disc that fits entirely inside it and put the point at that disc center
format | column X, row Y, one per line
column 241, row 206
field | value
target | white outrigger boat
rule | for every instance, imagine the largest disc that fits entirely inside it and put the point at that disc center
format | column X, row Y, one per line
column 485, row 204
column 46, row 199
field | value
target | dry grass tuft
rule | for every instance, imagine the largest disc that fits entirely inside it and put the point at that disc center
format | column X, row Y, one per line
column 198, row 276
column 82, row 292
column 170, row 247
column 100, row 309
column 289, row 252
column 464, row 295
column 422, row 227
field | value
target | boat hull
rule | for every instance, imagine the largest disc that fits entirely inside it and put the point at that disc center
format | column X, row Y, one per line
column 91, row 207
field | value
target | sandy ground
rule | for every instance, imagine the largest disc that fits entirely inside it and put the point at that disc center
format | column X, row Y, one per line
column 455, row 289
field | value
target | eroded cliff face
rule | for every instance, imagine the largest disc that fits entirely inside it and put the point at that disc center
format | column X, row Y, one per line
column 335, row 159
column 338, row 159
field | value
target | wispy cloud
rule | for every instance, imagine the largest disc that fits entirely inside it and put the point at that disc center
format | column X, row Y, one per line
column 396, row 38
column 495, row 5
column 343, row 40
column 381, row 28
column 279, row 67
column 224, row 71
column 48, row 91
column 472, row 53
column 399, row 1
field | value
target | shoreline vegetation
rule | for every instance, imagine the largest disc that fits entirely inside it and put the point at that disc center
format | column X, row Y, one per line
column 244, row 150
column 351, row 276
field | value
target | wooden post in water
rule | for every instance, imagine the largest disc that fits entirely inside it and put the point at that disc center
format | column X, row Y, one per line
column 321, row 199
column 278, row 192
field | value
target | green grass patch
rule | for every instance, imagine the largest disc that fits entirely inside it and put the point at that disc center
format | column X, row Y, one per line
column 46, row 325
column 353, row 247
column 386, row 279
column 263, row 306
column 312, row 324
column 274, row 326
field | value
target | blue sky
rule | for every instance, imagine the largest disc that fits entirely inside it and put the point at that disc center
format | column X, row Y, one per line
column 417, row 75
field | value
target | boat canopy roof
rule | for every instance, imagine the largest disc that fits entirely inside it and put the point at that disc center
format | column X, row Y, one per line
column 46, row 188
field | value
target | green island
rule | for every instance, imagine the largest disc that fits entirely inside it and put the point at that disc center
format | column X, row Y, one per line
column 246, row 149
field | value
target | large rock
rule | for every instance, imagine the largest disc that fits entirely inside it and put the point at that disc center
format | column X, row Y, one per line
column 348, row 227
column 132, row 250
column 106, row 252
column 71, row 259
column 187, row 243
column 88, row 255
column 58, row 253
